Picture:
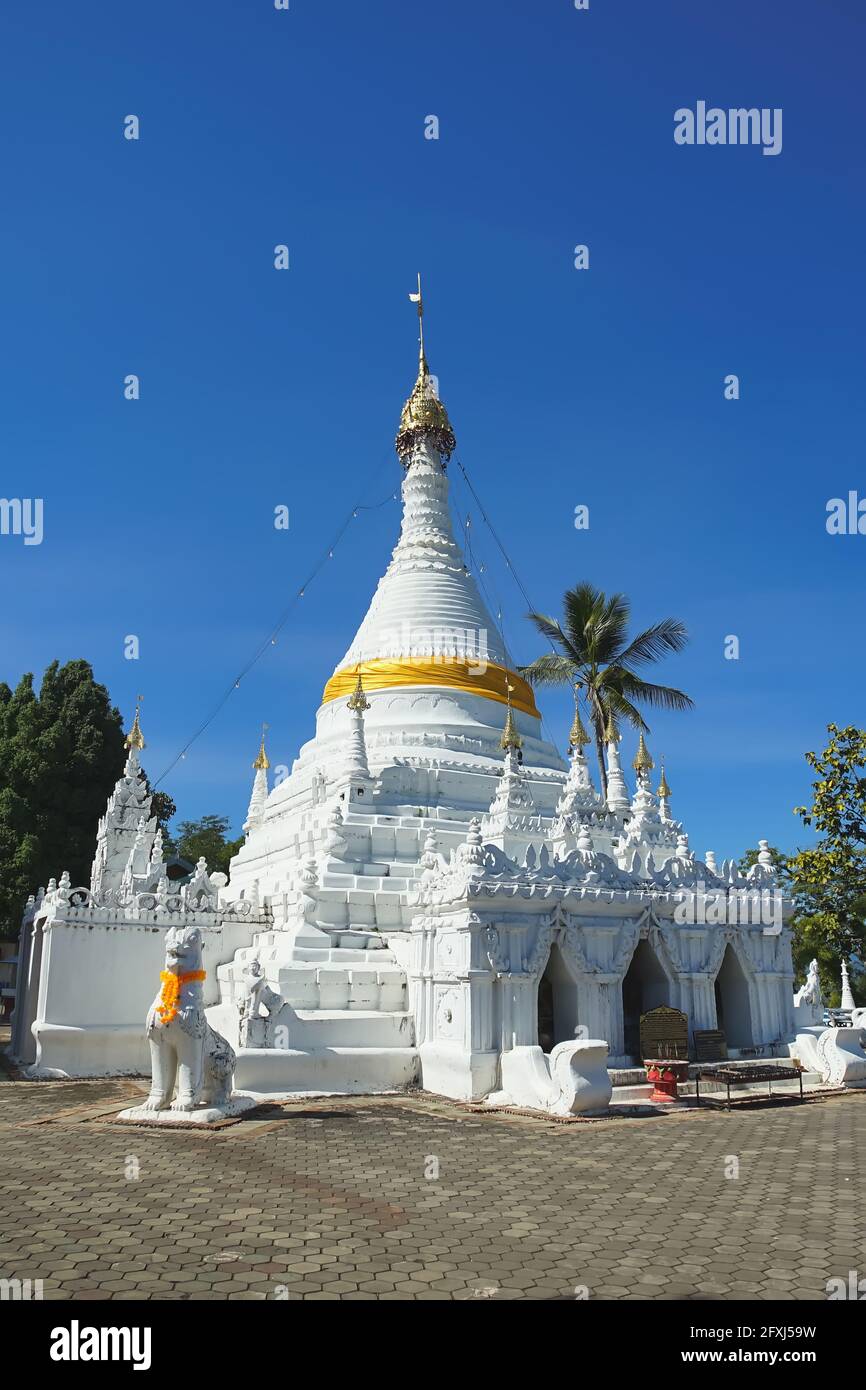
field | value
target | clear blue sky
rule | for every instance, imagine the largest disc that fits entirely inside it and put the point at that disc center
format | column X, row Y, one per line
column 603, row 387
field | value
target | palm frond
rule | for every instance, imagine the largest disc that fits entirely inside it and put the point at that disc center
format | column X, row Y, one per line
column 549, row 628
column 581, row 607
column 607, row 627
column 549, row 669
column 659, row 696
column 670, row 635
column 623, row 710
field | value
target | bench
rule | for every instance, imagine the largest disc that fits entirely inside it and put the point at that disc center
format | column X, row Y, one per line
column 730, row 1076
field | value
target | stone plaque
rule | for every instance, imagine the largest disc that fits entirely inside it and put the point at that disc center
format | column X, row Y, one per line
column 664, row 1033
column 710, row 1045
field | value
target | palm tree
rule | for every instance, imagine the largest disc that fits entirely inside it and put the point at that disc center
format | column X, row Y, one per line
column 593, row 653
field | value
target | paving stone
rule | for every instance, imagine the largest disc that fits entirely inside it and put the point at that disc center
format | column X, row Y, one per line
column 334, row 1205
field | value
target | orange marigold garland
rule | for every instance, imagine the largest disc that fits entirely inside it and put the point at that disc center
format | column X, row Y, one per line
column 170, row 992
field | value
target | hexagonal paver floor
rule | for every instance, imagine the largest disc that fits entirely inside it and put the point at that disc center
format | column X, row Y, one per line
column 414, row 1198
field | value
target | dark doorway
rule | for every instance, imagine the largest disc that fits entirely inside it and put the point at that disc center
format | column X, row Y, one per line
column 733, row 1010
column 645, row 987
column 557, row 1003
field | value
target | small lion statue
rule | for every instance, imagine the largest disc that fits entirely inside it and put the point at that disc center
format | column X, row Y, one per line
column 185, row 1052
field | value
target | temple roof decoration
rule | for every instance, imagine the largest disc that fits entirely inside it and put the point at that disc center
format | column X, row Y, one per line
column 262, row 763
column 578, row 737
column 642, row 761
column 510, row 737
column 357, row 700
column 135, row 738
column 423, row 415
column 663, row 789
column 611, row 734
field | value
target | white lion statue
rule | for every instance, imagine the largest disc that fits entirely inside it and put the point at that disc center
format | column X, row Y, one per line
column 808, row 1000
column 810, row 992
column 190, row 1061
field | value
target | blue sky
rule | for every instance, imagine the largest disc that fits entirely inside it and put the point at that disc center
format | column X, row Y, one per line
column 602, row 387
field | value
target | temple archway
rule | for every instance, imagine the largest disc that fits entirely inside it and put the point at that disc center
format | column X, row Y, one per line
column 733, row 1009
column 645, row 986
column 557, row 1002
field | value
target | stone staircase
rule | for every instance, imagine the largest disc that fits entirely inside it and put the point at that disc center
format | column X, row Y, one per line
column 344, row 1024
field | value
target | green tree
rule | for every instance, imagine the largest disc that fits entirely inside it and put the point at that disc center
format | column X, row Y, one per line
column 61, row 752
column 829, row 879
column 207, row 837
column 594, row 654
column 810, row 940
column 779, row 858
column 161, row 806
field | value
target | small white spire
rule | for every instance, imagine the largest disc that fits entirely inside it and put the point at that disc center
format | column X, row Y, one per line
column 259, row 796
column 617, row 791
column 847, row 996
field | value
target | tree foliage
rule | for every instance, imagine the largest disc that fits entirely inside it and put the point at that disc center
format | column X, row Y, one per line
column 206, row 837
column 808, row 943
column 593, row 652
column 161, row 806
column 829, row 879
column 61, row 752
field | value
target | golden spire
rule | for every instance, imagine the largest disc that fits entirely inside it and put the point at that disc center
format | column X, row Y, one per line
column 510, row 737
column 135, row 738
column 358, row 700
column 261, row 763
column 424, row 414
column 610, row 733
column 578, row 737
column 642, row 762
column 664, row 790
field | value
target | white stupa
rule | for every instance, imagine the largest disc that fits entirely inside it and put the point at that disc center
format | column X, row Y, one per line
column 436, row 680
column 432, row 893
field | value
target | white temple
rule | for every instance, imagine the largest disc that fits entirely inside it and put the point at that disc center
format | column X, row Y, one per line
column 434, row 896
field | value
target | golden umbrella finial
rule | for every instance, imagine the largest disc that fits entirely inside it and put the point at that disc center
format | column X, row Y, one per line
column 358, row 700
column 642, row 762
column 423, row 414
column 578, row 737
column 135, row 738
column 262, row 762
column 610, row 733
column 664, row 790
column 510, row 737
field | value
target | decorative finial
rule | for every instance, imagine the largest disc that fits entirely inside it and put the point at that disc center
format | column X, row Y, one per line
column 358, row 700
column 262, row 763
column 642, row 761
column 664, row 790
column 135, row 738
column 510, row 737
column 423, row 414
column 578, row 737
column 610, row 734
column 417, row 299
